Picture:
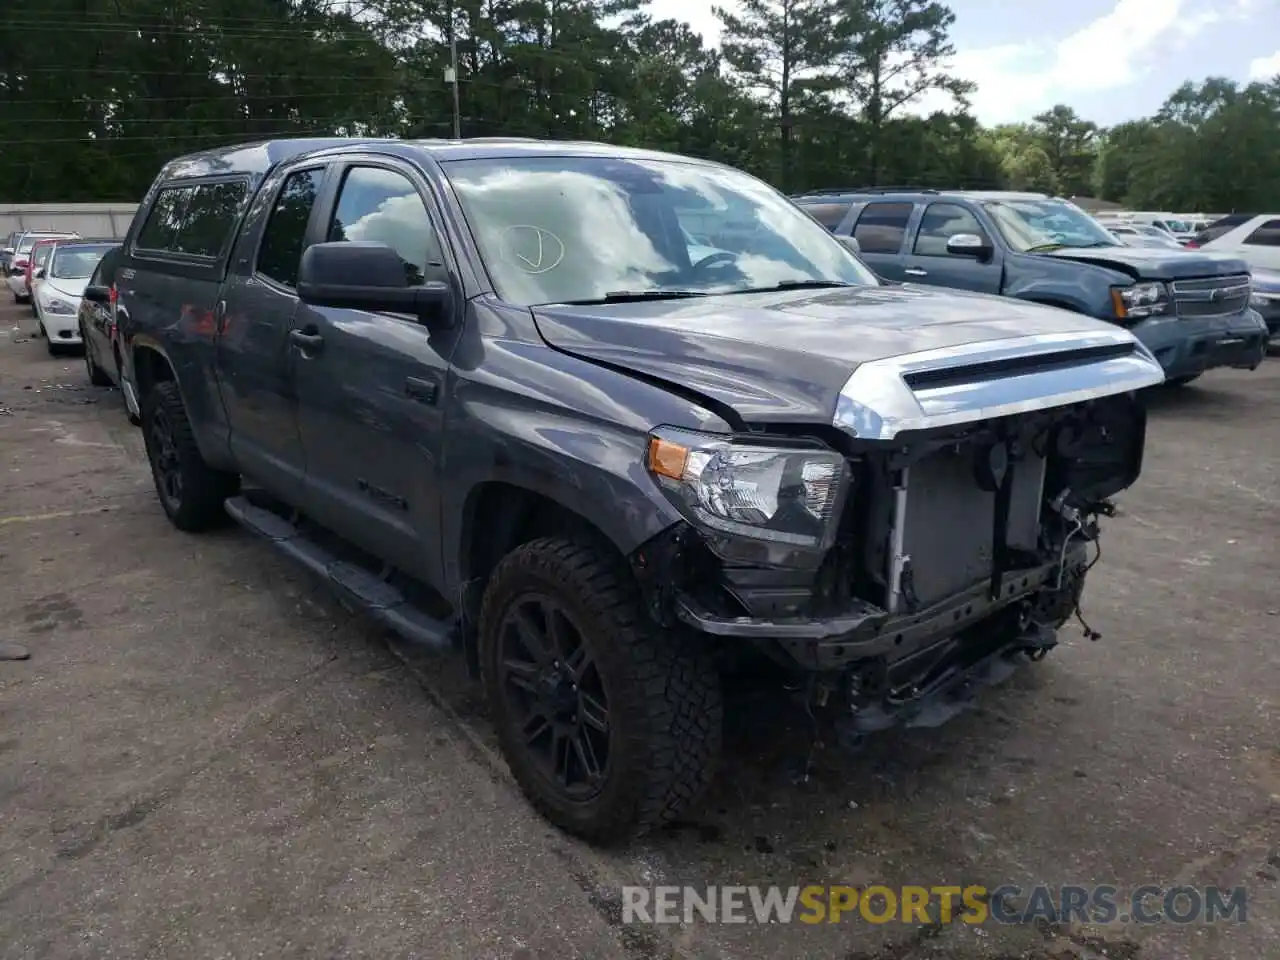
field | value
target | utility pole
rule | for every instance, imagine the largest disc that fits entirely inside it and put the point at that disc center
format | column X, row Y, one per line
column 451, row 74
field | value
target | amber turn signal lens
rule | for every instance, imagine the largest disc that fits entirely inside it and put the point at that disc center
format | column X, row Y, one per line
column 667, row 459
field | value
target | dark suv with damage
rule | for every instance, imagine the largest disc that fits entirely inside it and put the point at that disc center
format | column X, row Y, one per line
column 1191, row 308
column 613, row 422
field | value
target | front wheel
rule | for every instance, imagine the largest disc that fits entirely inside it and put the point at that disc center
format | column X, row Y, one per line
column 191, row 492
column 610, row 727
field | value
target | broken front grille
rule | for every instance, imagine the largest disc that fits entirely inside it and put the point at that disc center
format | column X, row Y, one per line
column 1212, row 296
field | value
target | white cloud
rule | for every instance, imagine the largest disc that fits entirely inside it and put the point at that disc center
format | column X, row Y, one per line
column 696, row 13
column 1110, row 53
column 1264, row 68
column 1017, row 80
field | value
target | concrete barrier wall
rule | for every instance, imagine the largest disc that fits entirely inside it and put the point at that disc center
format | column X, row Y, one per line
column 86, row 219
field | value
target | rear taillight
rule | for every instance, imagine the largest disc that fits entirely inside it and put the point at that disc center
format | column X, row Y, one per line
column 111, row 296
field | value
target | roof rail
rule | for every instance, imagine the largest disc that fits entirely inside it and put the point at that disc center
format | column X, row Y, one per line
column 829, row 191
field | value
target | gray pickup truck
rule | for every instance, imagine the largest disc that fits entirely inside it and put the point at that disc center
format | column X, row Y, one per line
column 615, row 423
column 1191, row 308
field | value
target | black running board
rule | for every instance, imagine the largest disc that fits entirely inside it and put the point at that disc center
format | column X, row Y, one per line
column 379, row 599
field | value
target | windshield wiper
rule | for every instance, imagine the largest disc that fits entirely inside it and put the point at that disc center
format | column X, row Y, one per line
column 631, row 296
column 1044, row 246
column 796, row 285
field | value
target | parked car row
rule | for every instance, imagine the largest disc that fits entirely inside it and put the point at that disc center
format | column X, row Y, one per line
column 1195, row 311
column 18, row 257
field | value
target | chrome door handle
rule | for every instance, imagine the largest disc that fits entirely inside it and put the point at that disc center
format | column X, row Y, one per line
column 915, row 272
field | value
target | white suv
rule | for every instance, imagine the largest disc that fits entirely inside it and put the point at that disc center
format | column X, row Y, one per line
column 1256, row 241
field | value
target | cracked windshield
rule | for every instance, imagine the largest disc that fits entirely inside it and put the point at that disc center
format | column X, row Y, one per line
column 577, row 229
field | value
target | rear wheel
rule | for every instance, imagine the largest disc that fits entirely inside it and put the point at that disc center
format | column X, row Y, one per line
column 190, row 491
column 610, row 726
column 97, row 376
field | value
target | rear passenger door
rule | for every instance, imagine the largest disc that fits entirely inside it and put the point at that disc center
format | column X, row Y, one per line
column 929, row 261
column 371, row 388
column 255, row 364
column 881, row 232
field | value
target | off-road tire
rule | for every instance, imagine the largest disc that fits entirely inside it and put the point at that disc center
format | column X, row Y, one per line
column 199, row 505
column 97, row 376
column 665, row 709
column 1182, row 381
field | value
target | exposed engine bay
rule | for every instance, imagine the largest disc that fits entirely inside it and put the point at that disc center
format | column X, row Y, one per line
column 954, row 550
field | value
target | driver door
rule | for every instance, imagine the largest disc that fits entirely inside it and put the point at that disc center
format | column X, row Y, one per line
column 371, row 386
column 930, row 262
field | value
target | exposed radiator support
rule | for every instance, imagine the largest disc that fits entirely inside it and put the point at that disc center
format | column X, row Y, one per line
column 898, row 559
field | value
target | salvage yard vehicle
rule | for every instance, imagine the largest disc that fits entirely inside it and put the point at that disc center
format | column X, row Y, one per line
column 56, row 300
column 20, row 262
column 96, row 320
column 1190, row 309
column 483, row 389
column 1266, row 300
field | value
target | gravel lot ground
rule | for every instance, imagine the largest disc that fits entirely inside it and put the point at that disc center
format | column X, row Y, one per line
column 207, row 757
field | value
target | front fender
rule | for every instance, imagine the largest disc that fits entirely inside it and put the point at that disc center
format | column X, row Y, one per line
column 562, row 428
column 1081, row 287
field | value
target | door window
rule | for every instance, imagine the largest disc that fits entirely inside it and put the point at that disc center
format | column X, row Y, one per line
column 881, row 227
column 282, row 241
column 383, row 206
column 941, row 222
column 827, row 214
column 1267, row 235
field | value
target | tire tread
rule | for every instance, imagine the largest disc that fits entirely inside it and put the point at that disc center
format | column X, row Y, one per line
column 674, row 692
column 203, row 488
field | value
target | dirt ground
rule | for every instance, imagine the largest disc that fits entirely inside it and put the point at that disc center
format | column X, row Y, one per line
column 207, row 757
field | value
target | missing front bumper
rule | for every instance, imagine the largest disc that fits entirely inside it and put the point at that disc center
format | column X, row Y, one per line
column 950, row 687
column 868, row 631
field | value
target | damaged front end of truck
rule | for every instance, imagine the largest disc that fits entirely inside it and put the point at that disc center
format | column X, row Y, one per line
column 940, row 534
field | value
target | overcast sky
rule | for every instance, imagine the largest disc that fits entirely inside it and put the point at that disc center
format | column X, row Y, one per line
column 1111, row 60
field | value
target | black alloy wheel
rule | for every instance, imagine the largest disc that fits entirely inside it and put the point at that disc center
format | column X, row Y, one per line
column 555, row 693
column 611, row 725
column 164, row 460
column 191, row 492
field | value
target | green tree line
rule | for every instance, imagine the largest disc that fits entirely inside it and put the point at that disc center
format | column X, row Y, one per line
column 96, row 94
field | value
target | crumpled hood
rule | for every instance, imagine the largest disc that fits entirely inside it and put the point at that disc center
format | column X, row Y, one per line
column 67, row 287
column 785, row 356
column 1153, row 263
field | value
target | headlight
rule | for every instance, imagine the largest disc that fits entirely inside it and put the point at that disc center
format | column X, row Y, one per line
column 1263, row 301
column 1140, row 300
column 53, row 305
column 782, row 494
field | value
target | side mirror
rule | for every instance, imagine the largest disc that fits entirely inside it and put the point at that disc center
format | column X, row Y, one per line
column 38, row 274
column 363, row 275
column 6, row 252
column 967, row 245
column 97, row 294
column 851, row 243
